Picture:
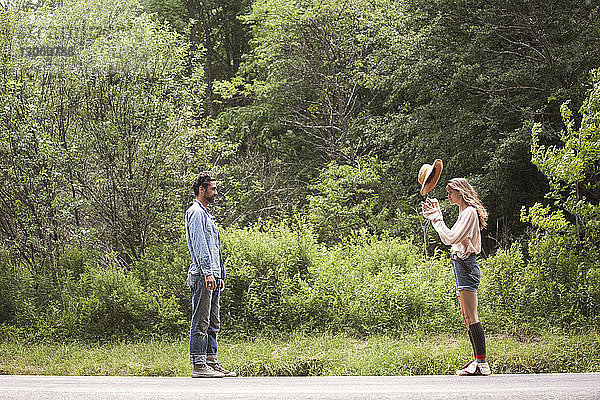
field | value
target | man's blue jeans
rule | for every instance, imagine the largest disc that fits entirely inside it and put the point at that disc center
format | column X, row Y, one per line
column 205, row 321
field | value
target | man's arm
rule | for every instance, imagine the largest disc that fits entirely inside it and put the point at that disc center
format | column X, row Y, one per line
column 198, row 244
column 196, row 230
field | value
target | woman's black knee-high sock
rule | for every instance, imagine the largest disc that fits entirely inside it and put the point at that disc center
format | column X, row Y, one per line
column 472, row 343
column 478, row 335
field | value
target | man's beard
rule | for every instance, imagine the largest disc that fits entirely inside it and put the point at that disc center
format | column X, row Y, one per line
column 210, row 199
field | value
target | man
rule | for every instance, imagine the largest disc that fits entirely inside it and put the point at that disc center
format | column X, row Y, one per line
column 205, row 279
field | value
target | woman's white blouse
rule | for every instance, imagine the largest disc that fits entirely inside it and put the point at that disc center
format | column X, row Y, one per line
column 464, row 236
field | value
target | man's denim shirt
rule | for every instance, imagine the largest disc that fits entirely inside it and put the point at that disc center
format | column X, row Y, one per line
column 203, row 242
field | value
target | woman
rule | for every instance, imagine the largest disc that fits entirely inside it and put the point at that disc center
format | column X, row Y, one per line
column 465, row 238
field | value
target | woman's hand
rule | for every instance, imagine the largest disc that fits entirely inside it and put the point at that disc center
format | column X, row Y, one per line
column 430, row 205
column 431, row 209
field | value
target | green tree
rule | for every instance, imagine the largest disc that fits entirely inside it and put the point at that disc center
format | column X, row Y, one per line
column 311, row 65
column 308, row 83
column 411, row 82
column 573, row 170
column 91, row 138
column 565, row 247
column 347, row 201
column 217, row 41
column 467, row 79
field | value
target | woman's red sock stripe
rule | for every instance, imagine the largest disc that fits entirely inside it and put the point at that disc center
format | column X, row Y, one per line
column 480, row 356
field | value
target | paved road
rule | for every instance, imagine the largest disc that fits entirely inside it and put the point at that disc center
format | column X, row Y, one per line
column 543, row 386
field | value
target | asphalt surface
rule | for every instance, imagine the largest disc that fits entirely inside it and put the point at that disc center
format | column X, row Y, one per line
column 542, row 386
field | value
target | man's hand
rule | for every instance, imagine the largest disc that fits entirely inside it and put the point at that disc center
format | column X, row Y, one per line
column 211, row 283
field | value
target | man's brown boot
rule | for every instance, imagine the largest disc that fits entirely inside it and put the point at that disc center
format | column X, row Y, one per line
column 222, row 370
column 205, row 371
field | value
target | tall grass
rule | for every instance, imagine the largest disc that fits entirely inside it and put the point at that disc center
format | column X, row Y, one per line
column 300, row 355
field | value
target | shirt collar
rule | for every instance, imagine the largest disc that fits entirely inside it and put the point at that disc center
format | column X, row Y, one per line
column 202, row 206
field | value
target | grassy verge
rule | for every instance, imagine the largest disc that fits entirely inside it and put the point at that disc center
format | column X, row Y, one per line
column 310, row 355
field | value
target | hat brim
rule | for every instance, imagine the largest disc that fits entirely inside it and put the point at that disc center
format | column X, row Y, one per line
column 432, row 178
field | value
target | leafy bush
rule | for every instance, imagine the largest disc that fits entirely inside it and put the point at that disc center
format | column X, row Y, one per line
column 502, row 292
column 104, row 300
column 381, row 286
column 265, row 272
column 564, row 248
column 114, row 302
column 347, row 199
column 552, row 287
column 163, row 271
column 557, row 273
column 283, row 279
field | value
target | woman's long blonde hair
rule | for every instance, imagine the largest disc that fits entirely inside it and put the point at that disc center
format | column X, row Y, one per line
column 470, row 196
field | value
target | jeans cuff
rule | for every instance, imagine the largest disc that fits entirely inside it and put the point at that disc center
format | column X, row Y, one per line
column 197, row 359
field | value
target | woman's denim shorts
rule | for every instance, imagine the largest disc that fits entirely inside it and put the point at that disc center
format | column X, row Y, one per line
column 466, row 280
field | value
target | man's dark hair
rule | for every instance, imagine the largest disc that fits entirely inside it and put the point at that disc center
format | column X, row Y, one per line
column 203, row 179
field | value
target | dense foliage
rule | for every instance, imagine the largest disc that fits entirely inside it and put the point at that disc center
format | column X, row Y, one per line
column 316, row 116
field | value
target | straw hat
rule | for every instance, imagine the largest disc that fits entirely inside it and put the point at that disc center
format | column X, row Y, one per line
column 429, row 175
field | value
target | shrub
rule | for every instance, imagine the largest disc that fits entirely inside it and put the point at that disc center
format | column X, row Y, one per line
column 163, row 271
column 284, row 280
column 280, row 279
column 556, row 288
column 113, row 302
column 352, row 198
column 265, row 271
column 502, row 292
